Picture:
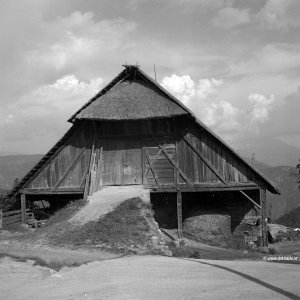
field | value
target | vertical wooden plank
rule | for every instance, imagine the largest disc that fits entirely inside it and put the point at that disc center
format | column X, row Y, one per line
column 179, row 214
column 23, row 208
column 263, row 217
column 1, row 218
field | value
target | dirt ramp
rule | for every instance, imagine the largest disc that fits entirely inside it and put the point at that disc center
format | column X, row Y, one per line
column 106, row 200
column 118, row 219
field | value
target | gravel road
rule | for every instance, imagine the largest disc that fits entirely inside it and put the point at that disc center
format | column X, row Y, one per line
column 151, row 277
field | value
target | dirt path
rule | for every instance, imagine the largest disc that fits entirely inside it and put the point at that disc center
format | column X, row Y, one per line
column 106, row 199
column 54, row 256
column 151, row 277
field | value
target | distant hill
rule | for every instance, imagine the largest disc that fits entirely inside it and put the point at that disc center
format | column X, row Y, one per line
column 15, row 166
column 291, row 219
column 290, row 195
column 3, row 192
column 5, row 153
column 271, row 151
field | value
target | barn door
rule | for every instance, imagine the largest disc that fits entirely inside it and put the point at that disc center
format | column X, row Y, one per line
column 159, row 159
column 121, row 162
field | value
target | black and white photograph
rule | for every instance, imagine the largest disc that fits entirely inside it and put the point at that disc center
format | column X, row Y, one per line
column 149, row 149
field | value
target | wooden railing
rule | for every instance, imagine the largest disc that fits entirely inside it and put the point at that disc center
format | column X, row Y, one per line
column 11, row 217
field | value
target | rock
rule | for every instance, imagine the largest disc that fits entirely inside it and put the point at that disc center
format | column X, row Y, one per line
column 154, row 240
column 245, row 252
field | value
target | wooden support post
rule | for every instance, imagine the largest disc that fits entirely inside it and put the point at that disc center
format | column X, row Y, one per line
column 1, row 218
column 264, row 228
column 179, row 214
column 23, row 208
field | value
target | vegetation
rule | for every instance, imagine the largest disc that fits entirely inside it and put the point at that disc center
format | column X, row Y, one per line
column 291, row 219
column 298, row 175
column 123, row 228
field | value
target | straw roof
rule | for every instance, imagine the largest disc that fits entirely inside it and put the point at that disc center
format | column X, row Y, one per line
column 134, row 97
column 131, row 100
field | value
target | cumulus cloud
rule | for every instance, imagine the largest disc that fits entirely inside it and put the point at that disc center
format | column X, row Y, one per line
column 261, row 107
column 74, row 44
column 222, row 116
column 208, row 87
column 44, row 111
column 182, row 87
column 202, row 100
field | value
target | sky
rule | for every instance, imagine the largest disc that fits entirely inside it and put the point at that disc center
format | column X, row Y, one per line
column 235, row 64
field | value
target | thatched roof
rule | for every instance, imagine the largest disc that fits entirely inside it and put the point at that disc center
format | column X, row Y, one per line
column 131, row 100
column 132, row 95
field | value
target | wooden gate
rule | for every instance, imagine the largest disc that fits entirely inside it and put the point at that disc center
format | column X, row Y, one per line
column 161, row 166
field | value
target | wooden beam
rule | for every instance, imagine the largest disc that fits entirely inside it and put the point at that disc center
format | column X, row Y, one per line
column 203, row 158
column 54, row 156
column 250, row 199
column 32, row 191
column 150, row 167
column 179, row 214
column 264, row 227
column 198, row 188
column 23, row 208
column 76, row 159
column 153, row 161
column 215, row 171
column 175, row 165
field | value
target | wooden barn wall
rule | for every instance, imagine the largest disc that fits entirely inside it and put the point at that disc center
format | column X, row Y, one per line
column 120, row 144
column 149, row 152
column 66, row 168
column 231, row 168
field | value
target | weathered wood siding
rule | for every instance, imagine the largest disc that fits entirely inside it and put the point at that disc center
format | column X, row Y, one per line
column 120, row 162
column 67, row 167
column 232, row 169
column 158, row 168
column 150, row 152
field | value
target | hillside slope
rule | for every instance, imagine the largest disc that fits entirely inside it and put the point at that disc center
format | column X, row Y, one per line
column 15, row 166
column 291, row 219
column 268, row 150
column 290, row 195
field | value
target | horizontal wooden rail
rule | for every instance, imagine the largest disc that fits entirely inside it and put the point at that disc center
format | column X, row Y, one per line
column 13, row 212
column 12, row 217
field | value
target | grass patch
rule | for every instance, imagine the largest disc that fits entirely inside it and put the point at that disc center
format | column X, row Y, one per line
column 65, row 213
column 126, row 227
column 53, row 264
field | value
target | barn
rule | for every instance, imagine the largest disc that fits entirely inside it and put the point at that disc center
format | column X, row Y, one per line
column 133, row 132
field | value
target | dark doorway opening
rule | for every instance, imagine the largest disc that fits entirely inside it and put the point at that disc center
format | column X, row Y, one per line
column 45, row 206
column 164, row 206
